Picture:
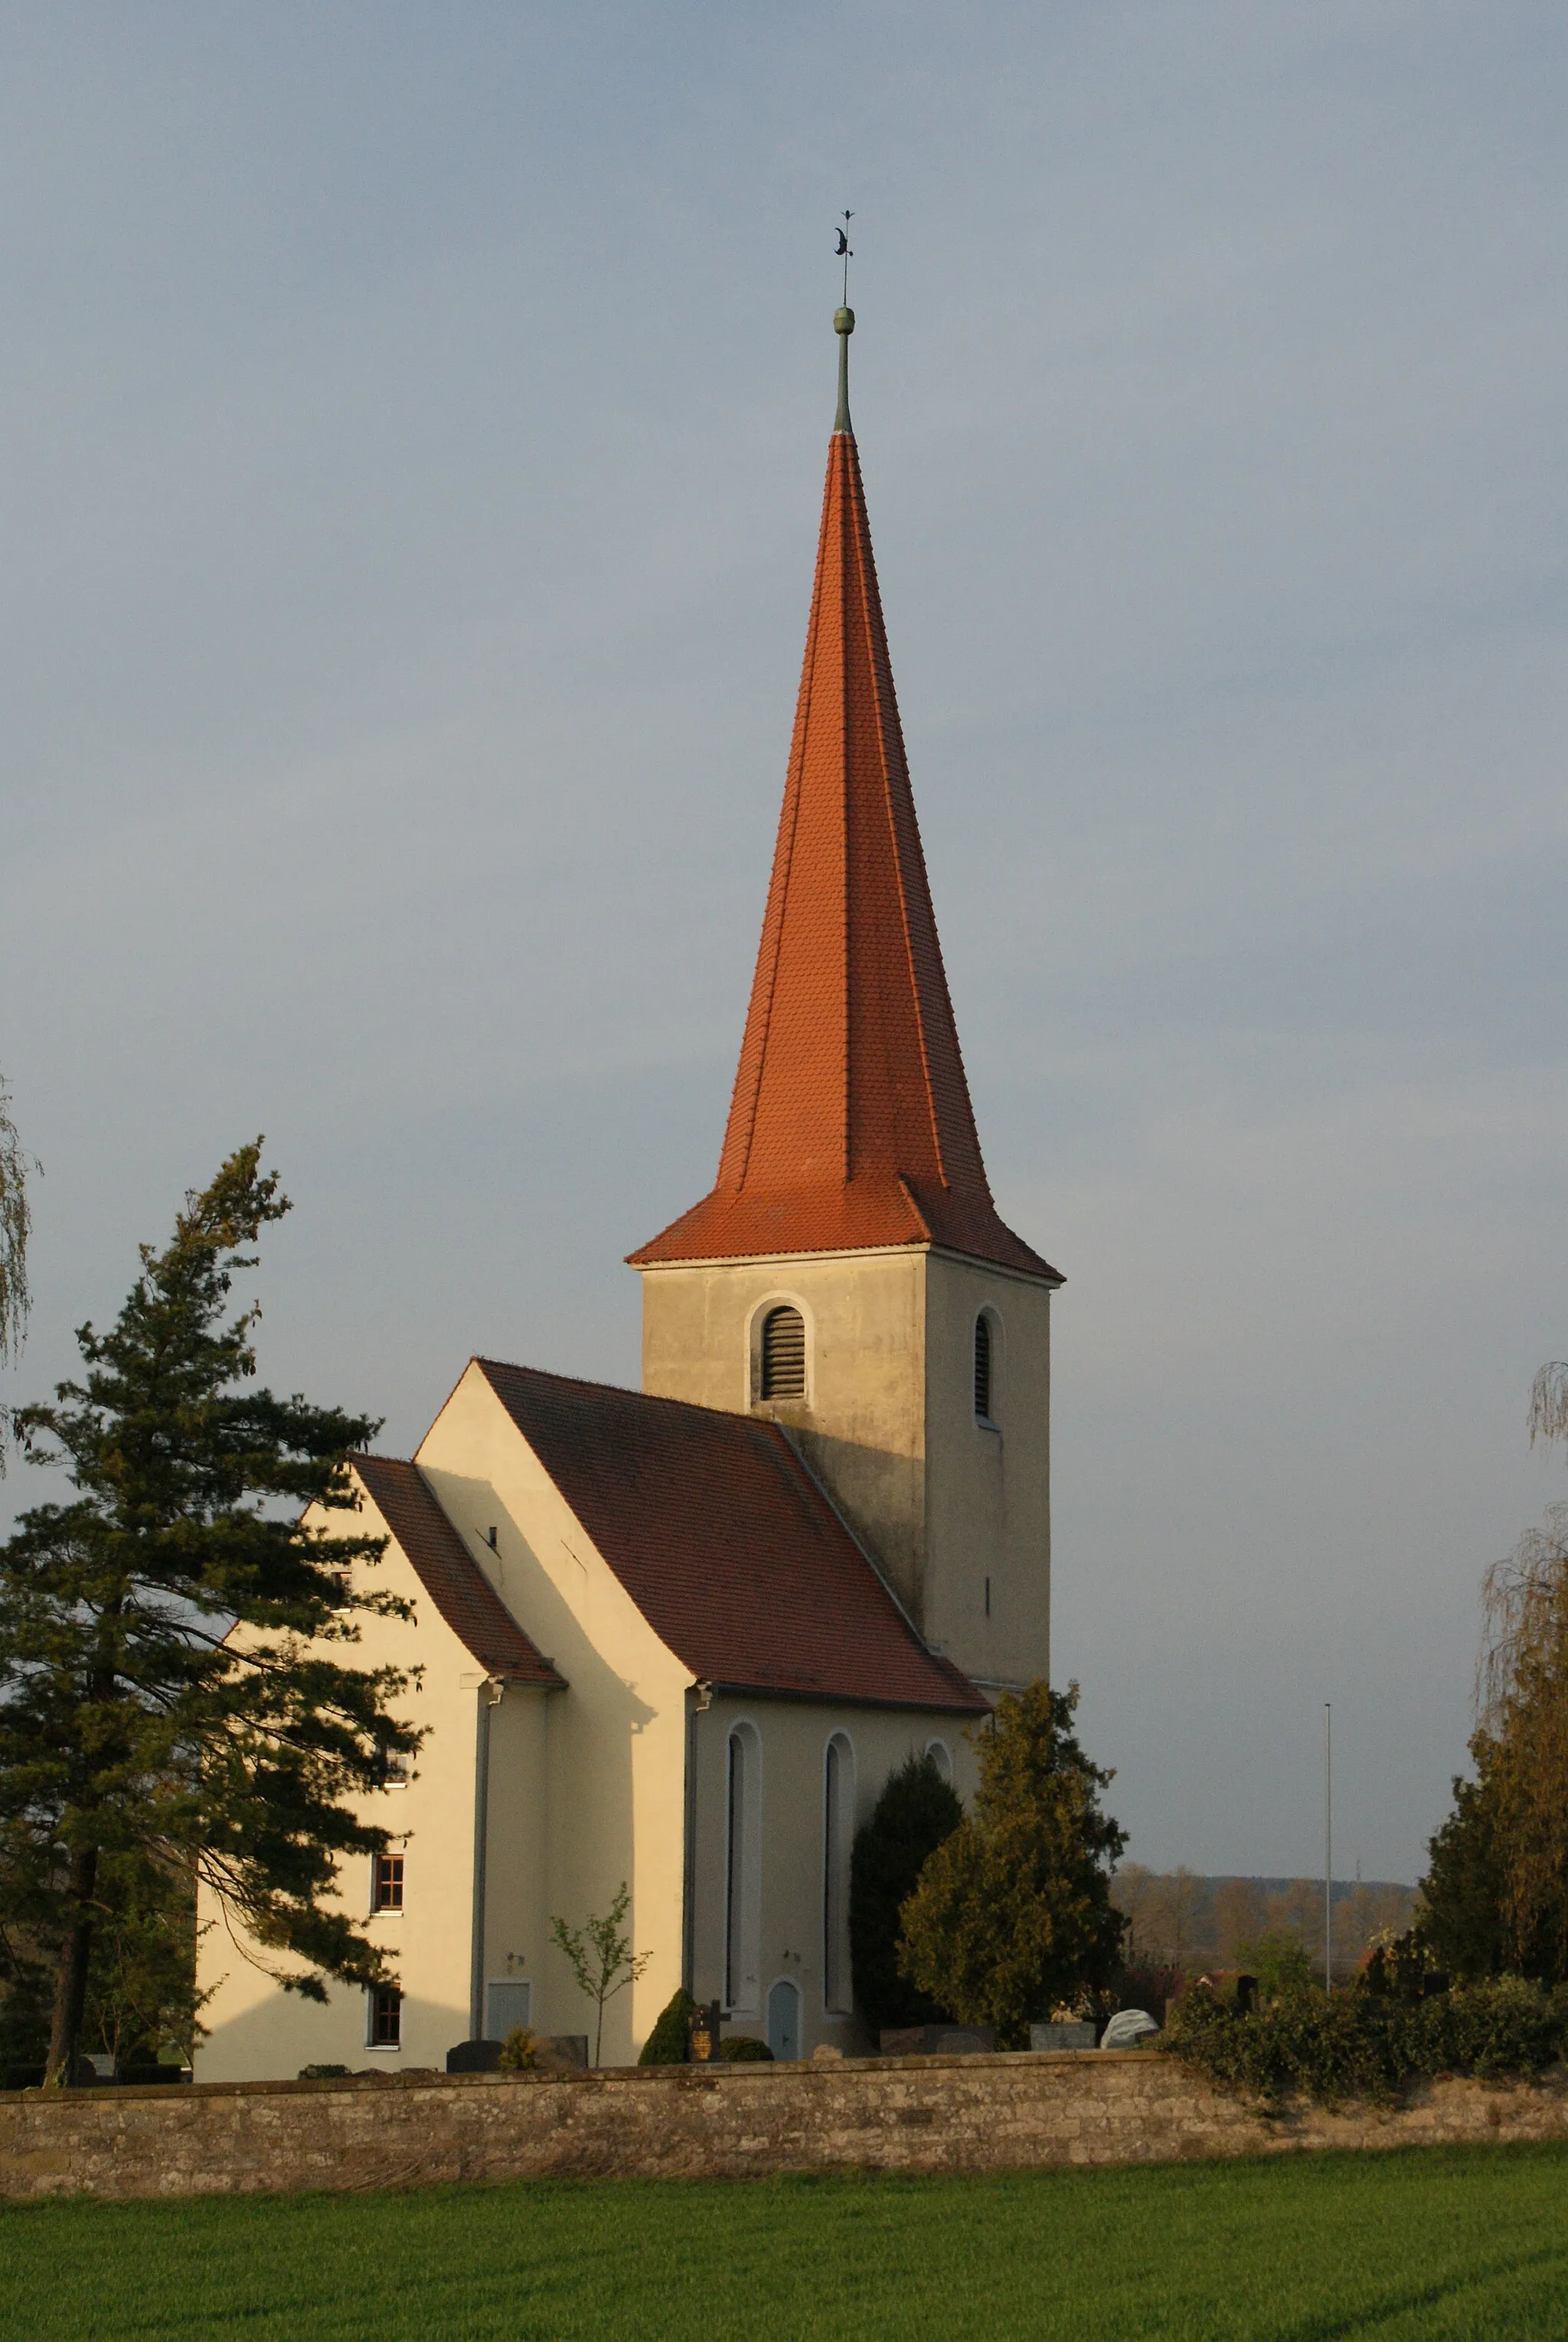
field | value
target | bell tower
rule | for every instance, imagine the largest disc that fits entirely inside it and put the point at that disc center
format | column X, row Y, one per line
column 849, row 1274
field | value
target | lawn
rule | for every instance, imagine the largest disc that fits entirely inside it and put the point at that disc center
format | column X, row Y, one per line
column 1430, row 2243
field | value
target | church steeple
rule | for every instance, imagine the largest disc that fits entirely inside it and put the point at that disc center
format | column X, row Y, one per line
column 851, row 1126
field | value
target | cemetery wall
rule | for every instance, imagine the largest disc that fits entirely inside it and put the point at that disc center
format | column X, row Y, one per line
column 909, row 2114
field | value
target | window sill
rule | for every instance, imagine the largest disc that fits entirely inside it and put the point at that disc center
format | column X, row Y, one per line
column 985, row 1423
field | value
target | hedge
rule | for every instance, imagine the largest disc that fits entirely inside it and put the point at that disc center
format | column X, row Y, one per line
column 1364, row 2044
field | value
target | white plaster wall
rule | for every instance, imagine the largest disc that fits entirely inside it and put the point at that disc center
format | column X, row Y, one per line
column 988, row 1492
column 793, row 1737
column 516, row 1891
column 613, row 1807
column 258, row 2032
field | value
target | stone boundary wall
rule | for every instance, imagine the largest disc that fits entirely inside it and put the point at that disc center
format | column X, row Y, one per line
column 905, row 2114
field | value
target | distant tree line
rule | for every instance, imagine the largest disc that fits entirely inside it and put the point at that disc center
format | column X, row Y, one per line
column 1181, row 1921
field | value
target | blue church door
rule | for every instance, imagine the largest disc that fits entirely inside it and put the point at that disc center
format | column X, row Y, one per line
column 783, row 2019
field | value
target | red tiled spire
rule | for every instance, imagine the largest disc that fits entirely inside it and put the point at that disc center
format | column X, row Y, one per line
column 850, row 1123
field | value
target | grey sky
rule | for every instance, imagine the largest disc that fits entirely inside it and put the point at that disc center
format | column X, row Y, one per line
column 415, row 422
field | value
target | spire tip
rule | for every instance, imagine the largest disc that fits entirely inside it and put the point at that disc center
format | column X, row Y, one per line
column 842, row 325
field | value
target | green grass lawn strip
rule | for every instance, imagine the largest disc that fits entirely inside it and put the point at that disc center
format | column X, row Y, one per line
column 1430, row 2243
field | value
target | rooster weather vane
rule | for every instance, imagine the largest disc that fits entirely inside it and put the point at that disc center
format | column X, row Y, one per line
column 843, row 253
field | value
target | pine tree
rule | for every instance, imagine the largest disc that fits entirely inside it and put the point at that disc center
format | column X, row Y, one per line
column 169, row 1683
column 15, row 1226
column 1014, row 1911
column 917, row 1810
column 1463, row 1895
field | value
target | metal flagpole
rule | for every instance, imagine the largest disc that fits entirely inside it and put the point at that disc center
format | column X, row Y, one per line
column 1328, row 1845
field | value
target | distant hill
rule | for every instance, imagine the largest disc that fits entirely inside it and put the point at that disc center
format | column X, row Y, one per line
column 1182, row 1919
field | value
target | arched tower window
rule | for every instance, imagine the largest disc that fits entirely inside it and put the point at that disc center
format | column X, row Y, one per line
column 937, row 1751
column 743, row 1884
column 783, row 1354
column 838, row 1845
column 982, row 1373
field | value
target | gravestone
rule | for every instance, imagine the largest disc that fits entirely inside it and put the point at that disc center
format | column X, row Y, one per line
column 562, row 2050
column 937, row 2040
column 1064, row 2033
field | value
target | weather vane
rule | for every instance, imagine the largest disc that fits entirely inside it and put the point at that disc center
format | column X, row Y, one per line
column 844, row 254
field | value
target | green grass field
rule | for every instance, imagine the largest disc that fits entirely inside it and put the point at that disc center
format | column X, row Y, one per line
column 1469, row 2242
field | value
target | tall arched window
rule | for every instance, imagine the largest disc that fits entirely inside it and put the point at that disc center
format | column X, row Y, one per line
column 838, row 1845
column 744, row 1881
column 940, row 1756
column 983, row 1393
column 783, row 1354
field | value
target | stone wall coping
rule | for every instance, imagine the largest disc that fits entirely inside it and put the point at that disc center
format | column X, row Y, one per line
column 721, row 2071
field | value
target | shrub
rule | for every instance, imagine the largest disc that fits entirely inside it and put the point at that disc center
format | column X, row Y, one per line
column 668, row 2042
column 519, row 2051
column 1367, row 2043
column 322, row 2073
column 1279, row 1960
column 742, row 2050
column 917, row 1810
column 1465, row 1887
column 1014, row 1911
column 1506, row 2026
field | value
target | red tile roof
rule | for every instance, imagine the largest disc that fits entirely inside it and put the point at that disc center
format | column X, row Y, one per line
column 726, row 1544
column 851, row 1125
column 450, row 1576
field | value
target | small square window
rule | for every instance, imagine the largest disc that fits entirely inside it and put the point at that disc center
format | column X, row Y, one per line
column 386, row 2018
column 388, row 1882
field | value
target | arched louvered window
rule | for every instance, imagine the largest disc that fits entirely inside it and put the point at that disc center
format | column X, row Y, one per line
column 783, row 1354
column 982, row 1368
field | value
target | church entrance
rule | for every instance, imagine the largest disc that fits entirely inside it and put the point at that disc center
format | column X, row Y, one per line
column 783, row 2019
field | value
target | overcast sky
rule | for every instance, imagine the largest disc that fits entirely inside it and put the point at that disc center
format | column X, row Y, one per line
column 414, row 423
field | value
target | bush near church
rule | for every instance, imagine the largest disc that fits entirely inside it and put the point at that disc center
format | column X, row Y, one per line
column 916, row 1811
column 1013, row 1914
column 668, row 2042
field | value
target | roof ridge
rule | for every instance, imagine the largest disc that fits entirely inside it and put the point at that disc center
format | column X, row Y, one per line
column 626, row 1390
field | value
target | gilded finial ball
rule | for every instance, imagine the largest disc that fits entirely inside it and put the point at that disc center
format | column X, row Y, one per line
column 844, row 321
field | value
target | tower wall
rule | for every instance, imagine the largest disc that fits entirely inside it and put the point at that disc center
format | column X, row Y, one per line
column 988, row 1485
column 861, row 1426
column 942, row 1503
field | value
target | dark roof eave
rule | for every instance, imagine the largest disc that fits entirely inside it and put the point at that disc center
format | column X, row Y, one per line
column 982, row 1706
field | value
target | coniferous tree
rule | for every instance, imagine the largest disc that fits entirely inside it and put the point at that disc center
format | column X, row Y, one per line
column 917, row 1810
column 170, row 1688
column 1463, row 1895
column 15, row 1226
column 1014, row 1911
column 667, row 2044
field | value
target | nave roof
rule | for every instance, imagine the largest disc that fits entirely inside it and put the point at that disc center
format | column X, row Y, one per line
column 727, row 1545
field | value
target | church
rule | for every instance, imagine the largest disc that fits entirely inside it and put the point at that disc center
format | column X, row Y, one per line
column 677, row 1638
